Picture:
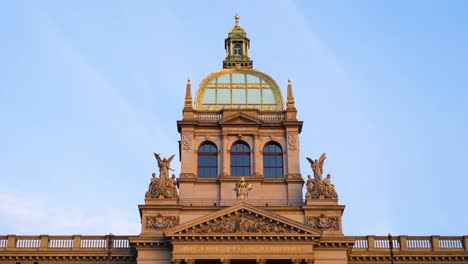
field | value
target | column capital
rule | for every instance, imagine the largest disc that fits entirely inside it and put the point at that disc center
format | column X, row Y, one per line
column 176, row 261
column 296, row 261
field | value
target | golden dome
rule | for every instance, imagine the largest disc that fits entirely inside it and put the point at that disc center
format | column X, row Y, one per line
column 238, row 89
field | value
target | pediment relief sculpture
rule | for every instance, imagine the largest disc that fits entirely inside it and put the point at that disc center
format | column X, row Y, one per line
column 318, row 187
column 162, row 187
column 160, row 222
column 241, row 222
column 242, row 219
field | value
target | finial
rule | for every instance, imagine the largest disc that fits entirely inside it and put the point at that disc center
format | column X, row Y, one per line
column 290, row 100
column 188, row 94
column 236, row 17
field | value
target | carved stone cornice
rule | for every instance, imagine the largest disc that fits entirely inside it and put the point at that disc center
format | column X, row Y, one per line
column 151, row 242
column 335, row 243
column 419, row 258
column 66, row 257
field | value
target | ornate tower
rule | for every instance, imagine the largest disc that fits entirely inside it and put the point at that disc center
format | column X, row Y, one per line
column 239, row 127
column 240, row 186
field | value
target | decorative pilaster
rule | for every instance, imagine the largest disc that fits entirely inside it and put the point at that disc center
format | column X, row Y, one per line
column 225, row 261
column 261, row 261
column 224, row 155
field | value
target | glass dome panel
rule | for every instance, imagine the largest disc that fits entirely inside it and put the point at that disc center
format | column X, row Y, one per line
column 209, row 97
column 254, row 96
column 238, row 96
column 224, row 79
column 252, row 79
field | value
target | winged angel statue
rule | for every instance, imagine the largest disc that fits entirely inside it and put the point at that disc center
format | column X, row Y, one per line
column 163, row 187
column 318, row 187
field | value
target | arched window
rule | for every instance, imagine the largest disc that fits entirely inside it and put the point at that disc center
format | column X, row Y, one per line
column 240, row 159
column 237, row 49
column 272, row 161
column 208, row 161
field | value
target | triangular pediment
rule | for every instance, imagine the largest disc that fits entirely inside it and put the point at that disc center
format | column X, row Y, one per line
column 240, row 118
column 244, row 220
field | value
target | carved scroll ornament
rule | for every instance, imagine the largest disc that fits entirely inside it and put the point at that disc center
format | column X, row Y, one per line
column 322, row 222
column 160, row 222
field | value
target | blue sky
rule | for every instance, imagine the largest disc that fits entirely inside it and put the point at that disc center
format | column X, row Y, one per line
column 89, row 89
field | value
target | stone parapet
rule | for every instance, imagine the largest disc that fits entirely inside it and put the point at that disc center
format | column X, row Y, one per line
column 375, row 249
column 76, row 248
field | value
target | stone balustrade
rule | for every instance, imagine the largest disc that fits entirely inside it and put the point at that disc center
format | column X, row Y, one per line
column 64, row 242
column 411, row 243
column 364, row 243
column 262, row 115
column 229, row 202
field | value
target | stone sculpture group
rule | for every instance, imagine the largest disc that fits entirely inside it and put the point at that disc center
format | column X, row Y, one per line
column 317, row 187
column 163, row 187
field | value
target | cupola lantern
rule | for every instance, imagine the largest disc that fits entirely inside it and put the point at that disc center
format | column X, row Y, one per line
column 237, row 48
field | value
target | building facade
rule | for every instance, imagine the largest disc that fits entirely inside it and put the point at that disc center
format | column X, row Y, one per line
column 238, row 198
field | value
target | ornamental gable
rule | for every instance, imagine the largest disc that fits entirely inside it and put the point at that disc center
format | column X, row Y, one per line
column 242, row 219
